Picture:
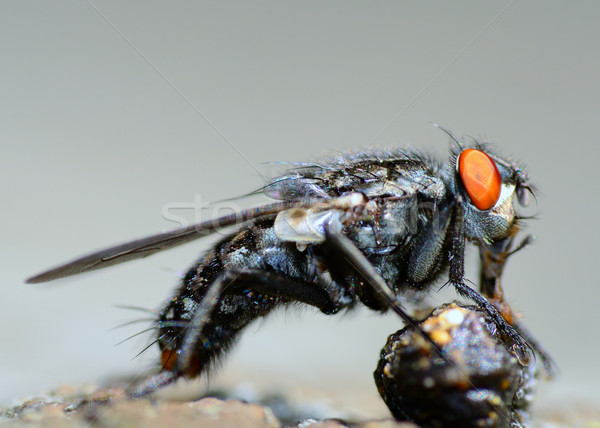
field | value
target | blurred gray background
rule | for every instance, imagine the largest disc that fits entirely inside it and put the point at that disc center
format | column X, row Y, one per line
column 111, row 111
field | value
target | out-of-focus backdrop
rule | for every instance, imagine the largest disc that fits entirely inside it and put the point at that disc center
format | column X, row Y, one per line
column 112, row 114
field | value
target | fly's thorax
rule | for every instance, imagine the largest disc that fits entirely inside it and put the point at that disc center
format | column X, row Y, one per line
column 393, row 226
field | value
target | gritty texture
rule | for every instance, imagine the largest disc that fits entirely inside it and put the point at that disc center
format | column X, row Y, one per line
column 111, row 408
column 480, row 384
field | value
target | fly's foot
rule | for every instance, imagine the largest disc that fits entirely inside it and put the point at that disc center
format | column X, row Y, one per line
column 154, row 383
column 519, row 347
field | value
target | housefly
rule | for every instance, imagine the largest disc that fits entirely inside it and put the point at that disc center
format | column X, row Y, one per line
column 369, row 226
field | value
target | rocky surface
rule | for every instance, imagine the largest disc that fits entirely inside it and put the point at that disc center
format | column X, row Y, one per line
column 68, row 407
column 111, row 408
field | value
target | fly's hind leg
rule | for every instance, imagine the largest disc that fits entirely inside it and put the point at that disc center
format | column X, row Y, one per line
column 229, row 303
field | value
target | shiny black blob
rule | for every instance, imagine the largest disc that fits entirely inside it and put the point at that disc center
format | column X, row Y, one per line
column 479, row 384
column 375, row 227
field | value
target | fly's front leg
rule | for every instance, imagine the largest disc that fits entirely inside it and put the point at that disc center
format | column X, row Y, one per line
column 520, row 347
column 493, row 260
column 547, row 361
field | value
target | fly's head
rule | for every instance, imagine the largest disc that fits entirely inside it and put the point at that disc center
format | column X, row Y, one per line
column 487, row 186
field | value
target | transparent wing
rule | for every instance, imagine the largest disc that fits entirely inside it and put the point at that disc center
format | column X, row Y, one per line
column 152, row 244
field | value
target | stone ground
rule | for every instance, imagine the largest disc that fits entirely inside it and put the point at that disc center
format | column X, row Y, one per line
column 110, row 408
column 90, row 406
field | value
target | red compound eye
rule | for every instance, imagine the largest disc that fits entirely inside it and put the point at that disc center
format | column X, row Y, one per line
column 480, row 177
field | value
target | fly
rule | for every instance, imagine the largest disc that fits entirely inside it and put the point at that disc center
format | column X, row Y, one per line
column 368, row 226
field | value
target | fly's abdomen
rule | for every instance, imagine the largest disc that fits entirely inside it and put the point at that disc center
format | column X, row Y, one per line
column 244, row 261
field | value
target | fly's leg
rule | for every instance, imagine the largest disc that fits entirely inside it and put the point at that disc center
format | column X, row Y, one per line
column 428, row 247
column 263, row 283
column 493, row 260
column 345, row 248
column 547, row 361
column 154, row 383
column 230, row 302
column 521, row 348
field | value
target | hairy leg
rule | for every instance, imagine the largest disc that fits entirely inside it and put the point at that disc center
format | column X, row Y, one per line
column 231, row 302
